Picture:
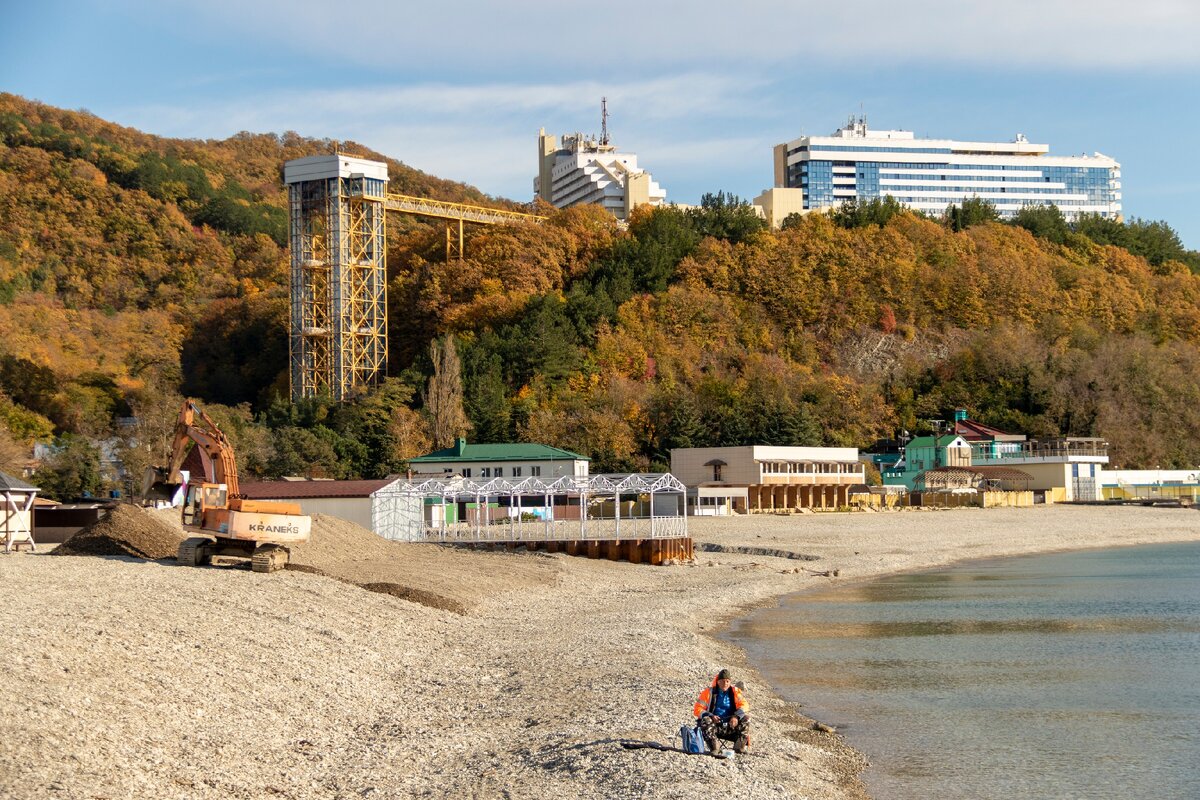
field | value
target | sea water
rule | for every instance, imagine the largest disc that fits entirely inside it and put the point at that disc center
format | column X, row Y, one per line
column 1073, row 675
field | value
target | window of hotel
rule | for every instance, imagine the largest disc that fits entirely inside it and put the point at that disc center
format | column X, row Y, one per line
column 516, row 472
column 485, row 472
column 499, row 472
column 535, row 471
column 466, row 473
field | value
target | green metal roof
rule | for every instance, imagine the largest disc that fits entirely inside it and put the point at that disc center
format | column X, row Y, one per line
column 929, row 441
column 517, row 451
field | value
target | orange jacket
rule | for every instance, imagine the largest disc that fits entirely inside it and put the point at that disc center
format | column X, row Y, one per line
column 704, row 701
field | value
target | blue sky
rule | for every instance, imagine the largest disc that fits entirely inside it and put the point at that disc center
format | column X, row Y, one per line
column 700, row 90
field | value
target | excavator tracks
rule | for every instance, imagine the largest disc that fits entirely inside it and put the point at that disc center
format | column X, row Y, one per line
column 195, row 551
column 269, row 558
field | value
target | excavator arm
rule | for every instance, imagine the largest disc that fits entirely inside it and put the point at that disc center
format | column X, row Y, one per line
column 216, row 452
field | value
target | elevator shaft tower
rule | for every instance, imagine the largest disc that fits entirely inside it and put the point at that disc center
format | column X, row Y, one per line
column 338, row 340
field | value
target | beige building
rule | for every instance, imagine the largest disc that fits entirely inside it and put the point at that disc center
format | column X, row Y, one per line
column 777, row 204
column 753, row 478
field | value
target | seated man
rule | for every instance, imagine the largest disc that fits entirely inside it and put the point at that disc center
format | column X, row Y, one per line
column 722, row 712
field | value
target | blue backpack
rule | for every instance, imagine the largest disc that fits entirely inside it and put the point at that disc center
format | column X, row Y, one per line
column 693, row 740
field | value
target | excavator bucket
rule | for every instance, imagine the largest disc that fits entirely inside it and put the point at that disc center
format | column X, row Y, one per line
column 155, row 486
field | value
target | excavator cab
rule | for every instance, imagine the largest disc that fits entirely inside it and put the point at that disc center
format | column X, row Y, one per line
column 200, row 498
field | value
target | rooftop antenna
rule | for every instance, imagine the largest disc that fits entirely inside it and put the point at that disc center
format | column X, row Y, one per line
column 604, row 120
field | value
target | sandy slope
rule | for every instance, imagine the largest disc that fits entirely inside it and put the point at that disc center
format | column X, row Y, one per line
column 141, row 679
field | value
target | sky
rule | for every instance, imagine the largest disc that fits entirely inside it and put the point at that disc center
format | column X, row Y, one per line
column 701, row 90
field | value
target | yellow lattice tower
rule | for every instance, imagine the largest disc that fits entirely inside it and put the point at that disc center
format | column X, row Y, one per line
column 338, row 341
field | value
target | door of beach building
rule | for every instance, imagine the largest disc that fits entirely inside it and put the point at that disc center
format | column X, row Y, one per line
column 1083, row 482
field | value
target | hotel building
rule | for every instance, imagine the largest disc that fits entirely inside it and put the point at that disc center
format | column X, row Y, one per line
column 929, row 174
column 585, row 170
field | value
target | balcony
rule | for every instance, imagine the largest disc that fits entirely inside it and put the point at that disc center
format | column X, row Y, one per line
column 1055, row 450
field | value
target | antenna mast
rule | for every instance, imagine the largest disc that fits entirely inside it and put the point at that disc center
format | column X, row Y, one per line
column 604, row 120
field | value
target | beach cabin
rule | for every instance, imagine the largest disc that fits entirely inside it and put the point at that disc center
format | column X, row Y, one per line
column 761, row 478
column 16, row 512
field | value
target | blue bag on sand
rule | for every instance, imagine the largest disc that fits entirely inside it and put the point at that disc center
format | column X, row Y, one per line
column 693, row 740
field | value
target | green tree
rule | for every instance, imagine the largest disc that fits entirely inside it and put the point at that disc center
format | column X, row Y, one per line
column 369, row 446
column 485, row 396
column 973, row 211
column 303, row 452
column 726, row 217
column 73, row 470
column 1043, row 221
column 855, row 213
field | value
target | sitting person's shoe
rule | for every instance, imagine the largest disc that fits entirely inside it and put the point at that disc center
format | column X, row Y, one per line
column 742, row 745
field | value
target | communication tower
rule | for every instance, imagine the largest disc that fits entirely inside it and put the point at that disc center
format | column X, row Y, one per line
column 338, row 339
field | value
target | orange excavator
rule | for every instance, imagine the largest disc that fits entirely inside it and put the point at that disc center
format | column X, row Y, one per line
column 221, row 522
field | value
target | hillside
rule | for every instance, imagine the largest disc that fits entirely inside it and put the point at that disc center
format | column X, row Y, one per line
column 135, row 268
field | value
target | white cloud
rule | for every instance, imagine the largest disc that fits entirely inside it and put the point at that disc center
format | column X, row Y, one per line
column 568, row 39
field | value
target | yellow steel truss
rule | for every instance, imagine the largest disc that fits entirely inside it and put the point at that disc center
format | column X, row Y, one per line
column 455, row 215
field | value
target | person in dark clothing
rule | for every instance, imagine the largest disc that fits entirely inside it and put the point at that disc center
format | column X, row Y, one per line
column 723, row 713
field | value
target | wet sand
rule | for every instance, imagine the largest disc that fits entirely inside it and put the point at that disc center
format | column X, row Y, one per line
column 128, row 678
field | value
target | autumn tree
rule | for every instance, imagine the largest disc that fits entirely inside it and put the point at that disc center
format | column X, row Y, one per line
column 444, row 397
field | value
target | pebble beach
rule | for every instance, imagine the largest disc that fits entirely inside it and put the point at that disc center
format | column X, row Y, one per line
column 388, row 670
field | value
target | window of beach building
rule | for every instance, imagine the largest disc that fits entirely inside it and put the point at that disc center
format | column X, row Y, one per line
column 516, row 472
column 485, row 472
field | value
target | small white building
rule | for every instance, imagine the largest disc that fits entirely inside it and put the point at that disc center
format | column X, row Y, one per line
column 724, row 480
column 16, row 512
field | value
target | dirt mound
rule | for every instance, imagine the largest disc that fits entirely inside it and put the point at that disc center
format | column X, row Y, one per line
column 126, row 531
column 441, row 577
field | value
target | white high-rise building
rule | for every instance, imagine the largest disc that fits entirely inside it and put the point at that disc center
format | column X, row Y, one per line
column 585, row 170
column 930, row 174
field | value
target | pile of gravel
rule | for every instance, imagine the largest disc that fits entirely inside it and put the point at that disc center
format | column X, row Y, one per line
column 126, row 531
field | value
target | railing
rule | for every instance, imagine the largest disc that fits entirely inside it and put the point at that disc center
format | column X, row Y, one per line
column 1028, row 450
column 593, row 528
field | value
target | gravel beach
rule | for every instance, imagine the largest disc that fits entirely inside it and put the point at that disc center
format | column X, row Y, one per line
column 459, row 674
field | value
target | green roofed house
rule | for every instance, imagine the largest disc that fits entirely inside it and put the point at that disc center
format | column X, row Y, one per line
column 513, row 461
column 927, row 452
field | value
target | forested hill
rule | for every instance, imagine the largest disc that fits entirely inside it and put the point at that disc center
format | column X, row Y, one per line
column 135, row 268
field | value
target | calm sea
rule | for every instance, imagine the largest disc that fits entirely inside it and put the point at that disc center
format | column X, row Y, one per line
column 1070, row 675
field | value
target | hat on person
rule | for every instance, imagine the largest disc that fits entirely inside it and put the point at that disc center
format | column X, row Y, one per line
column 723, row 675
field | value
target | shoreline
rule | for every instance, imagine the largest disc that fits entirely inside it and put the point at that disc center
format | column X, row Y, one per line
column 831, row 589
column 856, row 787
column 145, row 679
